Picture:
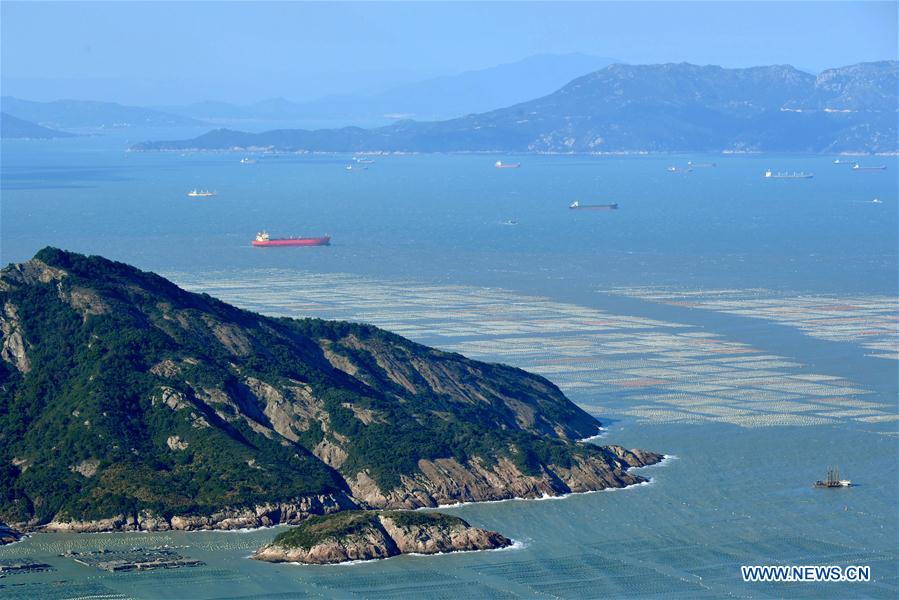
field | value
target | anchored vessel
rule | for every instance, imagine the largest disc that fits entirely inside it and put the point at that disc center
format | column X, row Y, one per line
column 578, row 206
column 248, row 161
column 195, row 193
column 501, row 165
column 833, row 480
column 263, row 239
column 769, row 174
column 679, row 169
column 858, row 167
column 701, row 165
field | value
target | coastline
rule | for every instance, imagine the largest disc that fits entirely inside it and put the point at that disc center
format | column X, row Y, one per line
column 232, row 150
column 103, row 526
column 516, row 545
column 647, row 482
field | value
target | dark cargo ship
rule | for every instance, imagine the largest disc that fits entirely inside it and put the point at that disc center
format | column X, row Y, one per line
column 578, row 206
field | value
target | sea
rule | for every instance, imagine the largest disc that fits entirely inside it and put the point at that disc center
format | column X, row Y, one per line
column 746, row 328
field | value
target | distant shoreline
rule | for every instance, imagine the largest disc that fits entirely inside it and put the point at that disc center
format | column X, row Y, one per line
column 623, row 153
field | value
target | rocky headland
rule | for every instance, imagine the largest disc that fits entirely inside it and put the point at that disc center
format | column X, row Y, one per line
column 127, row 403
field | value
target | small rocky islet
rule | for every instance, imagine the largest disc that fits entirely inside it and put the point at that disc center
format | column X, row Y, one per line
column 369, row 535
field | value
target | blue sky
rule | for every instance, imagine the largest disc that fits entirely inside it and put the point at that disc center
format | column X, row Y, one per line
column 167, row 52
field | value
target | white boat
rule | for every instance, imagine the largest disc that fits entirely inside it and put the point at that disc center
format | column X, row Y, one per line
column 501, row 165
column 195, row 193
column 858, row 167
column 769, row 174
column 678, row 170
column 876, row 201
column 363, row 161
column 248, row 161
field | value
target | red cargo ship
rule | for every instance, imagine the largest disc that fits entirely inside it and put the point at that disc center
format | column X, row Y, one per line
column 264, row 239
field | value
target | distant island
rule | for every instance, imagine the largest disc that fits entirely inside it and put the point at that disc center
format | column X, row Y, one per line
column 90, row 114
column 367, row 535
column 13, row 128
column 636, row 108
column 127, row 403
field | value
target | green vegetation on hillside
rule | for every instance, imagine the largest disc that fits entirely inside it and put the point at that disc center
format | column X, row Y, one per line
column 142, row 396
column 340, row 525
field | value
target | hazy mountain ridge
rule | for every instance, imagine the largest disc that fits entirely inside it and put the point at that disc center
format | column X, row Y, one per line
column 128, row 403
column 438, row 98
column 91, row 114
column 626, row 108
column 14, row 128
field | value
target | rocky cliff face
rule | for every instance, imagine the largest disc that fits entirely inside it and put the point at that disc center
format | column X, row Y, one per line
column 447, row 481
column 127, row 403
column 264, row 515
column 366, row 536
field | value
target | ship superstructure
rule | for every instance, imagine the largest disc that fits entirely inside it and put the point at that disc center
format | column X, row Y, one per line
column 832, row 480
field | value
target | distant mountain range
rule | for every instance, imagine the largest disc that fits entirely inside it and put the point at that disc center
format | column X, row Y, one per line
column 14, row 128
column 625, row 108
column 439, row 98
column 74, row 114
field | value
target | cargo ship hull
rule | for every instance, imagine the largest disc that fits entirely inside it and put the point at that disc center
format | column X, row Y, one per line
column 595, row 207
column 315, row 241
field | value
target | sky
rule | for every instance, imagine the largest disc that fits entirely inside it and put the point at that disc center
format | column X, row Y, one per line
column 157, row 53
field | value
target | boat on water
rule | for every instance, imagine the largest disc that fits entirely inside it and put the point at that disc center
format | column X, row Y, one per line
column 769, row 174
column 701, row 165
column 576, row 205
column 876, row 201
column 832, row 480
column 247, row 161
column 858, row 167
column 363, row 161
column 356, row 168
column 510, row 222
column 678, row 170
column 501, row 165
column 263, row 239
column 195, row 193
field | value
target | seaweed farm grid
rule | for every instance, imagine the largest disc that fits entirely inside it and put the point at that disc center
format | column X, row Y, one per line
column 870, row 321
column 649, row 370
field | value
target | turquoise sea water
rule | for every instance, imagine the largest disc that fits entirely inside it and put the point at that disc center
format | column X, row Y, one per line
column 564, row 293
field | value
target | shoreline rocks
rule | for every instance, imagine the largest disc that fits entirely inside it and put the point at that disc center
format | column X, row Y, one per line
column 263, row 515
column 442, row 482
column 8, row 535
